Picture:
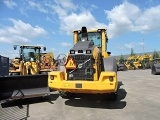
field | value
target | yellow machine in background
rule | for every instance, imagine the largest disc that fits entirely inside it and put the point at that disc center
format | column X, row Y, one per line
column 145, row 61
column 121, row 65
column 89, row 68
column 29, row 81
column 14, row 65
column 139, row 62
column 132, row 63
column 48, row 62
column 28, row 62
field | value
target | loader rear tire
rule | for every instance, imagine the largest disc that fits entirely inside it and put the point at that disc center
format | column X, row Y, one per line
column 144, row 67
column 113, row 96
column 66, row 95
column 153, row 71
column 125, row 68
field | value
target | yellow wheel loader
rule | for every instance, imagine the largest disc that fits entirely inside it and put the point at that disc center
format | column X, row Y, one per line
column 29, row 61
column 88, row 68
column 145, row 61
column 132, row 63
column 25, row 79
column 14, row 66
column 48, row 62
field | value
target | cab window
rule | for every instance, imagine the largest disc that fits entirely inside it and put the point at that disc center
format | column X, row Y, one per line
column 96, row 37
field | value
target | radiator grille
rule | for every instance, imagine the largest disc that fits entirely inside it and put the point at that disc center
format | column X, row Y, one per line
column 86, row 72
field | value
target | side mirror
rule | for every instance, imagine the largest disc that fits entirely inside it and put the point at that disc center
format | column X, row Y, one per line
column 15, row 47
column 106, row 40
column 44, row 48
column 109, row 53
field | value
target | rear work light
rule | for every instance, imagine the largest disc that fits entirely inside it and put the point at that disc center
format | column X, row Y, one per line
column 72, row 51
column 111, row 78
column 88, row 51
column 52, row 77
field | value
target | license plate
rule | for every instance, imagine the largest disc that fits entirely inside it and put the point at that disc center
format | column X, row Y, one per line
column 78, row 85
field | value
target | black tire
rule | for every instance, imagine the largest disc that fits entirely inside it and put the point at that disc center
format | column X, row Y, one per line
column 134, row 68
column 125, row 68
column 110, row 96
column 153, row 71
column 150, row 66
column 144, row 67
column 113, row 96
column 147, row 65
column 66, row 95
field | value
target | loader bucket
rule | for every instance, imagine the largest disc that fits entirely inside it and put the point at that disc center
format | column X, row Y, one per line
column 156, row 69
column 16, row 87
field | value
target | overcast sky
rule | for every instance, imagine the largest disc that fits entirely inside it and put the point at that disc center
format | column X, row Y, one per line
column 129, row 23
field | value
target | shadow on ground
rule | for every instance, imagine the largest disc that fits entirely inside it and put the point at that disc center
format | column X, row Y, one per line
column 98, row 101
column 26, row 101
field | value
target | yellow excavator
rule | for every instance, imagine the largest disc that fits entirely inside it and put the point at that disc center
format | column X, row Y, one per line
column 88, row 67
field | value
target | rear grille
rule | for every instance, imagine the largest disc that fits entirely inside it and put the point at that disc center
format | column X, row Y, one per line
column 85, row 72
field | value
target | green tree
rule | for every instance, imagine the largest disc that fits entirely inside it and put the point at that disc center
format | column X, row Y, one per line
column 121, row 59
column 132, row 52
column 155, row 54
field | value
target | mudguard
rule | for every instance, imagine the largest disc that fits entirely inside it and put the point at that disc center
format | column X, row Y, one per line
column 109, row 64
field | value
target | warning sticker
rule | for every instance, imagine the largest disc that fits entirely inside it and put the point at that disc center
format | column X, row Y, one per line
column 70, row 64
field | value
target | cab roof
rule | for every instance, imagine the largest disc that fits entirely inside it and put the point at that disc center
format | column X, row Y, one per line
column 93, row 30
column 31, row 46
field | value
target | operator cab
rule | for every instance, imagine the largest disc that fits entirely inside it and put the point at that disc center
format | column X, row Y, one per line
column 29, row 53
column 95, row 37
column 98, row 38
column 31, row 56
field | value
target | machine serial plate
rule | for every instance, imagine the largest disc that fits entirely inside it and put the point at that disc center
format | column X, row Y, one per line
column 78, row 85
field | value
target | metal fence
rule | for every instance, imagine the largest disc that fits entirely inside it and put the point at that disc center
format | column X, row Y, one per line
column 14, row 111
column 4, row 66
